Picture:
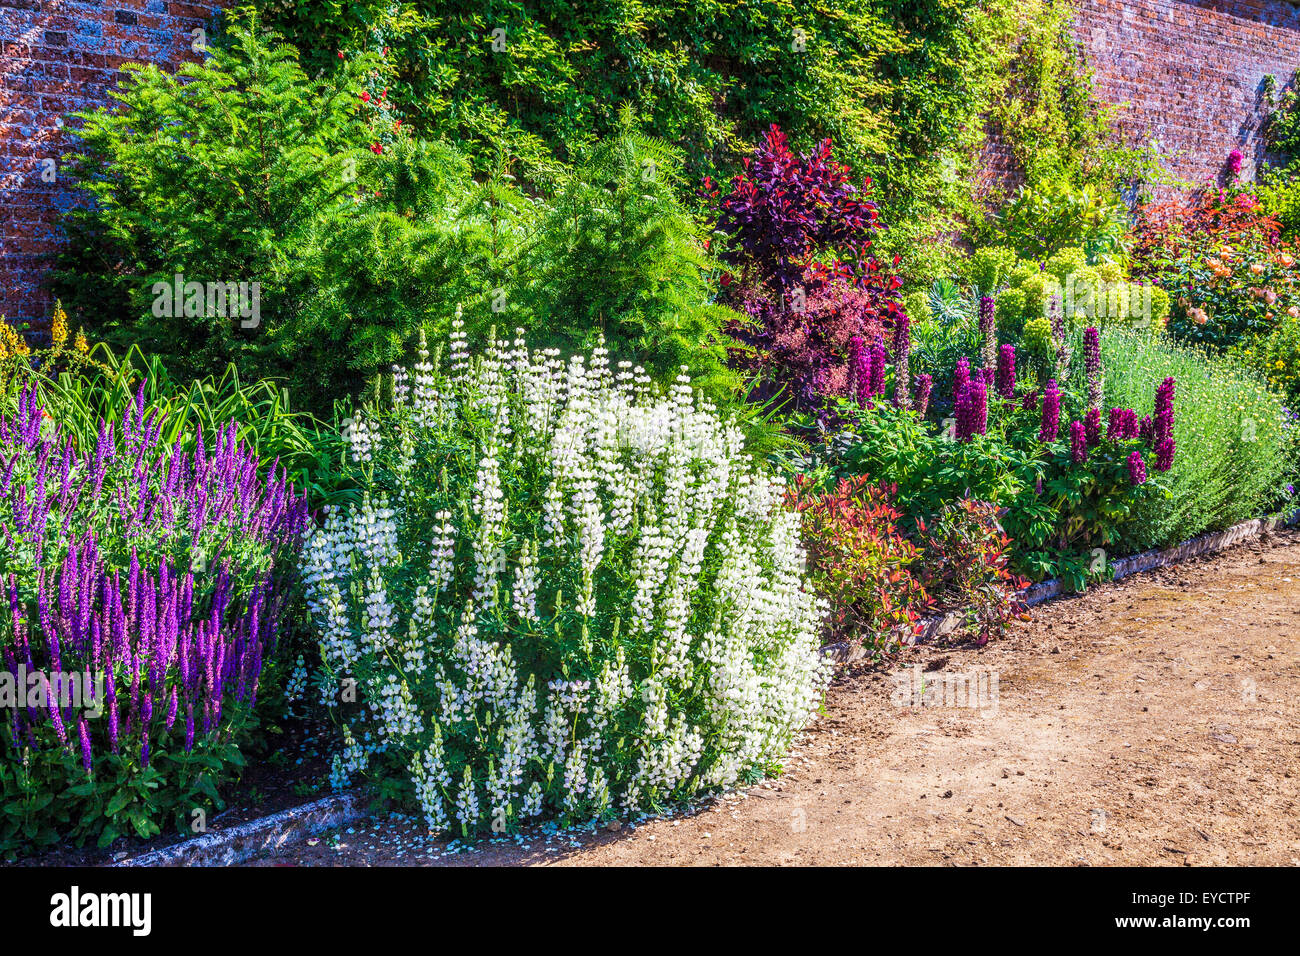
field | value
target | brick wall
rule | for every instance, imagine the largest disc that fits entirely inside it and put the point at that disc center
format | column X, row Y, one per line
column 1190, row 73
column 57, row 56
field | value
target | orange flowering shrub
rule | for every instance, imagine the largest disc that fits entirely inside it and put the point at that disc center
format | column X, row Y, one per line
column 1222, row 261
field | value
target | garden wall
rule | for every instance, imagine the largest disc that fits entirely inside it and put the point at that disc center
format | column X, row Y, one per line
column 1188, row 72
column 57, row 56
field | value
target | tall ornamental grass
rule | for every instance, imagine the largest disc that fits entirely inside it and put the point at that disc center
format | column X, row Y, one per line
column 566, row 593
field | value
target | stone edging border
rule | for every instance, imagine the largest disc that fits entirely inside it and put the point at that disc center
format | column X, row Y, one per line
column 240, row 843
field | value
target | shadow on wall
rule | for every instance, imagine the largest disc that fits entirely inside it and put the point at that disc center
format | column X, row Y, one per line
column 55, row 59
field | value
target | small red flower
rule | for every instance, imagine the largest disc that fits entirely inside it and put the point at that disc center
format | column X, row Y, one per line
column 365, row 97
column 341, row 56
column 377, row 148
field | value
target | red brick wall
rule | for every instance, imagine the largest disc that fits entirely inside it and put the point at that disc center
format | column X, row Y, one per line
column 1187, row 72
column 1190, row 73
column 57, row 56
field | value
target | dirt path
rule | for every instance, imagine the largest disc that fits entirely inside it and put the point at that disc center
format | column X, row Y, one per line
column 1151, row 721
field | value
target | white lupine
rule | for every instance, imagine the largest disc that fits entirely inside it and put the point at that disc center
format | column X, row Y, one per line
column 613, row 471
column 523, row 592
column 442, row 552
column 489, row 554
column 432, row 781
column 467, row 801
column 395, row 711
column 459, row 349
column 360, row 440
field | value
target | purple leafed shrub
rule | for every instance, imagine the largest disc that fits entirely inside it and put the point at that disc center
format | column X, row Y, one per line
column 156, row 575
column 801, row 235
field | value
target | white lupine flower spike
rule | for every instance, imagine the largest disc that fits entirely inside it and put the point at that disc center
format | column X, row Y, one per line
column 563, row 592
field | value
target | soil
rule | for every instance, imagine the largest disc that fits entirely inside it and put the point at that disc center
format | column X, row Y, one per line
column 1148, row 721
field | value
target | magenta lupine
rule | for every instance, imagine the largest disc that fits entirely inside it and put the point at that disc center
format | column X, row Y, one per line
column 924, row 382
column 1137, row 468
column 971, row 410
column 1092, row 427
column 1030, row 402
column 1078, row 443
column 979, row 408
column 1051, row 413
column 879, row 365
column 1006, row 380
column 860, row 370
column 988, row 331
column 902, row 354
column 960, row 380
column 1146, row 431
column 144, row 628
column 1163, row 423
column 1164, row 455
column 1092, row 366
column 1122, row 425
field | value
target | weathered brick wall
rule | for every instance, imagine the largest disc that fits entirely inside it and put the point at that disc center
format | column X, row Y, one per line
column 1190, row 73
column 1186, row 72
column 57, row 56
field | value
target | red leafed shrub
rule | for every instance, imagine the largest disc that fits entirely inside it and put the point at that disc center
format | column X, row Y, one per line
column 860, row 562
column 1216, row 213
column 963, row 565
column 801, row 234
column 806, row 351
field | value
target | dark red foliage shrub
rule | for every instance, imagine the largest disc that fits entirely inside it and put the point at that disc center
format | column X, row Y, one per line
column 801, row 236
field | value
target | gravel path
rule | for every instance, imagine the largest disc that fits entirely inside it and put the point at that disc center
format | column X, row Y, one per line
column 1151, row 721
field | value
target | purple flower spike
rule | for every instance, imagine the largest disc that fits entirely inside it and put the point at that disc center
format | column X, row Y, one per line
column 1051, row 413
column 1137, row 468
column 1006, row 379
column 1078, row 443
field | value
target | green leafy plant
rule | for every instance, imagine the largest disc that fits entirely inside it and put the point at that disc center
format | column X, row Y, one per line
column 1236, row 443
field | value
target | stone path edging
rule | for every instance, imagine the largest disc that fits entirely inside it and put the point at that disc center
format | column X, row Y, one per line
column 937, row 625
column 230, row 847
